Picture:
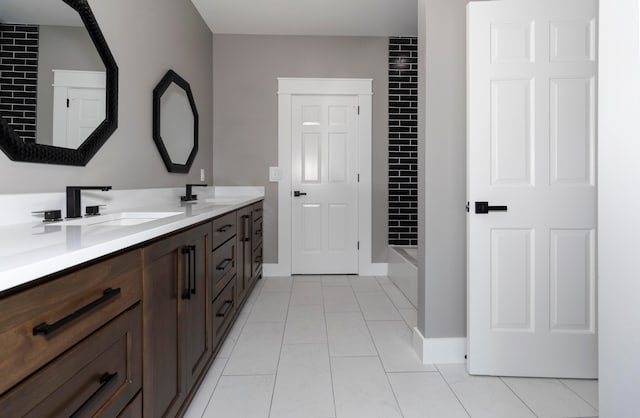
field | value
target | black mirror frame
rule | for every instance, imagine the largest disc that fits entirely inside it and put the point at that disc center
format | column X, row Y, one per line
column 18, row 150
column 172, row 77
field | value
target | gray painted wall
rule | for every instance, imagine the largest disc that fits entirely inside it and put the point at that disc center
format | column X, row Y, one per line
column 442, row 263
column 245, row 71
column 618, row 206
column 147, row 37
column 61, row 48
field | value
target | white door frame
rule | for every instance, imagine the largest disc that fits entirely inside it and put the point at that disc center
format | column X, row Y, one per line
column 288, row 87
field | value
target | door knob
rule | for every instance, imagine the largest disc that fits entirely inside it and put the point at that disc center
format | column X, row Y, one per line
column 298, row 193
column 483, row 207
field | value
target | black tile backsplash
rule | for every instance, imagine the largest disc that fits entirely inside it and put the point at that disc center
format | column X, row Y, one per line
column 403, row 141
column 18, row 77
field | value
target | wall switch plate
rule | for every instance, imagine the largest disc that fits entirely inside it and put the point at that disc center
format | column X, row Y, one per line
column 202, row 174
column 274, row 174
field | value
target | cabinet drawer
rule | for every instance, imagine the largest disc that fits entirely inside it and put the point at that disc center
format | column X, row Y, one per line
column 224, row 307
column 257, row 210
column 134, row 409
column 224, row 228
column 223, row 265
column 98, row 376
column 256, row 267
column 257, row 232
column 40, row 323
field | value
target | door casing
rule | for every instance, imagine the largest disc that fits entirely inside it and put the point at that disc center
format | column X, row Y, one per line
column 287, row 88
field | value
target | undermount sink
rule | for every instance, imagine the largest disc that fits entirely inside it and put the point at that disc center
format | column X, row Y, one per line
column 121, row 219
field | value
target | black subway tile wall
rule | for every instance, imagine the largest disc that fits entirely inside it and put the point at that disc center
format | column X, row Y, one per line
column 19, row 77
column 403, row 141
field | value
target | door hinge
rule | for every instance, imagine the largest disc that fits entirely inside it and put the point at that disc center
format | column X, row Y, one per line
column 358, row 110
column 358, row 245
column 358, row 177
column 67, row 102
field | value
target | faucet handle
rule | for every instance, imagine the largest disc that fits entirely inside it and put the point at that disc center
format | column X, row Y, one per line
column 94, row 210
column 54, row 215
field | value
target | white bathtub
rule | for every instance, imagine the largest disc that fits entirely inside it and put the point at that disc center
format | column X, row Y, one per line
column 403, row 270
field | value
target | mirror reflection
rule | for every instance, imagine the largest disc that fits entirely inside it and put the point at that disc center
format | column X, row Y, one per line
column 176, row 123
column 52, row 80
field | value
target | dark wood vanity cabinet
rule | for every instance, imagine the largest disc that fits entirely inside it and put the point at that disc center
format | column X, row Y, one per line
column 245, row 224
column 176, row 319
column 132, row 334
column 72, row 345
column 256, row 241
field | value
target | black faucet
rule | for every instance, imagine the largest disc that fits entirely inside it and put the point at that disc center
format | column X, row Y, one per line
column 191, row 197
column 73, row 199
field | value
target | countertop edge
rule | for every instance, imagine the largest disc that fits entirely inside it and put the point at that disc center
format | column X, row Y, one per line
column 41, row 269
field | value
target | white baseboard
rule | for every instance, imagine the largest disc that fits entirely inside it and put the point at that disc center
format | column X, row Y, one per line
column 278, row 270
column 275, row 270
column 439, row 350
column 375, row 269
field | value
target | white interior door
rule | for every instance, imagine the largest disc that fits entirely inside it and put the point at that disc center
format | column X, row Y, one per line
column 325, row 173
column 86, row 111
column 531, row 147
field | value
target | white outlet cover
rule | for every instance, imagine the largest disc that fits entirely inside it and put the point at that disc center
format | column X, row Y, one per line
column 275, row 175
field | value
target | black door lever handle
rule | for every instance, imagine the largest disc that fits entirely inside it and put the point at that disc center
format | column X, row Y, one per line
column 298, row 193
column 483, row 207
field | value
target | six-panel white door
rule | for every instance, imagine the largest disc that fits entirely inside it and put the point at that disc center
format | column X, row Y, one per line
column 324, row 166
column 87, row 109
column 531, row 146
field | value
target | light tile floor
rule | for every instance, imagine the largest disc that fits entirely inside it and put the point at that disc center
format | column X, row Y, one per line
column 340, row 346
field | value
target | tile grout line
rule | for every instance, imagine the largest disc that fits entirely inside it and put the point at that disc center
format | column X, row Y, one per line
column 284, row 330
column 578, row 395
column 452, row 391
column 517, row 396
column 214, row 388
column 378, row 352
column 226, row 360
column 326, row 330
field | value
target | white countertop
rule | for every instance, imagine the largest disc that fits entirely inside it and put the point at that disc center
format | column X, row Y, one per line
column 31, row 250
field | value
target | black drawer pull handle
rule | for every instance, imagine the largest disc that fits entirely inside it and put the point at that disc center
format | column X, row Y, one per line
column 259, row 232
column 259, row 259
column 226, row 307
column 104, row 379
column 258, row 210
column 223, row 265
column 46, row 329
column 224, row 228
column 186, row 293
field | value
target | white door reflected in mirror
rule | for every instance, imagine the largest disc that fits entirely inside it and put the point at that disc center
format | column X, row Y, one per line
column 79, row 105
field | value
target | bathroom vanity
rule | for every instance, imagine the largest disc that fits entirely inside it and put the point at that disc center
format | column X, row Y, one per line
column 132, row 328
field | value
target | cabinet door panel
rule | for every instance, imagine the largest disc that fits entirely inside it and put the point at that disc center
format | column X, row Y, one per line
column 196, row 323
column 164, row 381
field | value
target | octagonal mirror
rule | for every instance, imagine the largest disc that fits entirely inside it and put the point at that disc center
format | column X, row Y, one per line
column 175, row 123
column 58, row 82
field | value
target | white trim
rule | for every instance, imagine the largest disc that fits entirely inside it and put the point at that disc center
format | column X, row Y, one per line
column 439, row 350
column 288, row 87
column 277, row 270
column 80, row 79
column 325, row 86
column 374, row 269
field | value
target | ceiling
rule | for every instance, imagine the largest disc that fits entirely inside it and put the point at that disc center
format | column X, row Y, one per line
column 311, row 17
